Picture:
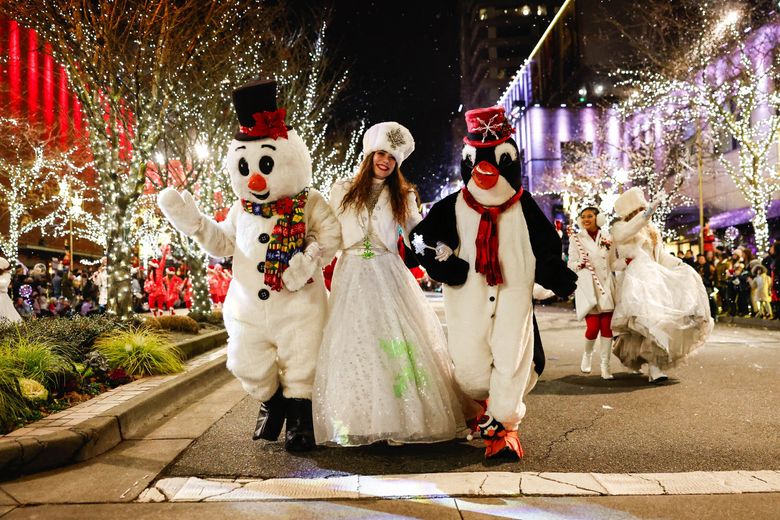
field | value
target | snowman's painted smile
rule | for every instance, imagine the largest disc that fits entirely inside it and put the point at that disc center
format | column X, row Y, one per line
column 261, row 196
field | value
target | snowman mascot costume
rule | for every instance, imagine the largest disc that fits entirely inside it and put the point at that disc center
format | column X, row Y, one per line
column 488, row 243
column 279, row 233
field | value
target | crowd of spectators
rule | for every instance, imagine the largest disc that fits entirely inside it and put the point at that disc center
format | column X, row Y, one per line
column 738, row 282
column 57, row 289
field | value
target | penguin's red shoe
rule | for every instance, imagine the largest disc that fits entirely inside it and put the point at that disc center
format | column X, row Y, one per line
column 506, row 444
column 499, row 442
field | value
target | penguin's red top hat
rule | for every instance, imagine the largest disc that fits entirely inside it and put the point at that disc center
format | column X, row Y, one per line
column 487, row 127
column 258, row 117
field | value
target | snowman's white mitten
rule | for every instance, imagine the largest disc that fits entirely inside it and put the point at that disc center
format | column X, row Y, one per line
column 180, row 209
column 301, row 268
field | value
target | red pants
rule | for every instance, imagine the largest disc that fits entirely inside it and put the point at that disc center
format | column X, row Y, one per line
column 595, row 323
column 157, row 301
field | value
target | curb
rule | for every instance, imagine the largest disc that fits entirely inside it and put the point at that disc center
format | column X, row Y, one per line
column 204, row 342
column 468, row 485
column 34, row 453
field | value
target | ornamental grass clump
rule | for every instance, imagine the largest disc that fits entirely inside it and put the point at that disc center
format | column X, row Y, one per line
column 35, row 359
column 140, row 352
column 12, row 403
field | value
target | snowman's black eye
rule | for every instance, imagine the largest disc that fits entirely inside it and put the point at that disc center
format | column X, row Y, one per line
column 266, row 164
column 243, row 167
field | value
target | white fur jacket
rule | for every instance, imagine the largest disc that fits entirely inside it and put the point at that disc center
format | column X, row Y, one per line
column 354, row 224
column 591, row 297
column 634, row 236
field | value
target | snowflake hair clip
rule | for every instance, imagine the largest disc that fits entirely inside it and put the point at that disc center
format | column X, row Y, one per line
column 420, row 246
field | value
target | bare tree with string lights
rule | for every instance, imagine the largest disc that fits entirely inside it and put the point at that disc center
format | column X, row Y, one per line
column 125, row 61
column 713, row 65
column 191, row 152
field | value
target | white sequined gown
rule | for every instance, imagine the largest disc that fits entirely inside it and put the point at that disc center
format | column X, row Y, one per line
column 383, row 371
column 7, row 310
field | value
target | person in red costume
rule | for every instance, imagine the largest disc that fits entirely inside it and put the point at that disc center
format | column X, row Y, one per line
column 187, row 292
column 709, row 238
column 173, row 285
column 155, row 283
column 218, row 284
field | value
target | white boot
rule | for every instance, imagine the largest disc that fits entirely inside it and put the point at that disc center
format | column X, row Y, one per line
column 654, row 374
column 606, row 353
column 587, row 356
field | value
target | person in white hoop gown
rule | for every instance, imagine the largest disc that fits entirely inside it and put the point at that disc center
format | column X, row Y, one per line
column 383, row 372
column 662, row 313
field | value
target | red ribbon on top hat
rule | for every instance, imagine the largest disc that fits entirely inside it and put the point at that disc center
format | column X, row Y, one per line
column 267, row 124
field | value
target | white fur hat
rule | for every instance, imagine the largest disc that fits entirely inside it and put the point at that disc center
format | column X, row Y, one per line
column 4, row 264
column 630, row 200
column 390, row 137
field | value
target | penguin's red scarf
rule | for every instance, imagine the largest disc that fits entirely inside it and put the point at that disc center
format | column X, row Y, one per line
column 288, row 234
column 487, row 236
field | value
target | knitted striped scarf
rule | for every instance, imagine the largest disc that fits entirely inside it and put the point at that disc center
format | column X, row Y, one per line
column 287, row 236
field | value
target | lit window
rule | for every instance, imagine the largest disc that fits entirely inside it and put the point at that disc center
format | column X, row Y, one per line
column 526, row 10
column 541, row 10
column 483, row 14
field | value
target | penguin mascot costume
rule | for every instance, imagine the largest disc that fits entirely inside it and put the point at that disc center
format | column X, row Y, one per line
column 488, row 244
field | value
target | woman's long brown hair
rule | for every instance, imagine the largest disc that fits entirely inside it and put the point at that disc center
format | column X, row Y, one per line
column 360, row 191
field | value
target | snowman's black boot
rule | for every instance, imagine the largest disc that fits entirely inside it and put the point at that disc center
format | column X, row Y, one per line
column 271, row 417
column 300, row 427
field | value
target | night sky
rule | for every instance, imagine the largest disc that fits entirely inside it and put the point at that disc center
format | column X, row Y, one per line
column 403, row 66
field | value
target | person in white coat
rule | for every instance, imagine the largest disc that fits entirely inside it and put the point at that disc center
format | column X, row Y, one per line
column 7, row 310
column 595, row 294
column 662, row 313
column 383, row 372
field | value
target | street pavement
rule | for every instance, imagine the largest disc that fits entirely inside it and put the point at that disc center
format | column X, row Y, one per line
column 717, row 413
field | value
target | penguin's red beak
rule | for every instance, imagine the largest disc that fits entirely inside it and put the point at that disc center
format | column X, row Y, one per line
column 485, row 175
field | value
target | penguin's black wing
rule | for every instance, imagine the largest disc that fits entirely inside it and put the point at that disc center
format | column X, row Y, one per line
column 551, row 270
column 439, row 225
column 539, row 358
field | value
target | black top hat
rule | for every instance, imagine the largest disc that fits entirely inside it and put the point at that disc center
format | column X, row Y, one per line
column 258, row 116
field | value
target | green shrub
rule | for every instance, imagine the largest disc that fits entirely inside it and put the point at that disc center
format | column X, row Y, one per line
column 213, row 317
column 140, row 352
column 180, row 323
column 71, row 338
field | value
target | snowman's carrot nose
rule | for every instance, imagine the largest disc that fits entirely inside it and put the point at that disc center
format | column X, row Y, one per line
column 257, row 182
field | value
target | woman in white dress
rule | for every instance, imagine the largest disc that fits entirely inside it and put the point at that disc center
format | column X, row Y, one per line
column 595, row 294
column 7, row 310
column 383, row 372
column 662, row 313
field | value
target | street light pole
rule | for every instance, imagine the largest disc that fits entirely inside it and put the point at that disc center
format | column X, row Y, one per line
column 700, row 168
column 70, row 234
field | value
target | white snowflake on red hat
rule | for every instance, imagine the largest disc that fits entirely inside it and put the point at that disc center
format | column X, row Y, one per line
column 489, row 127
